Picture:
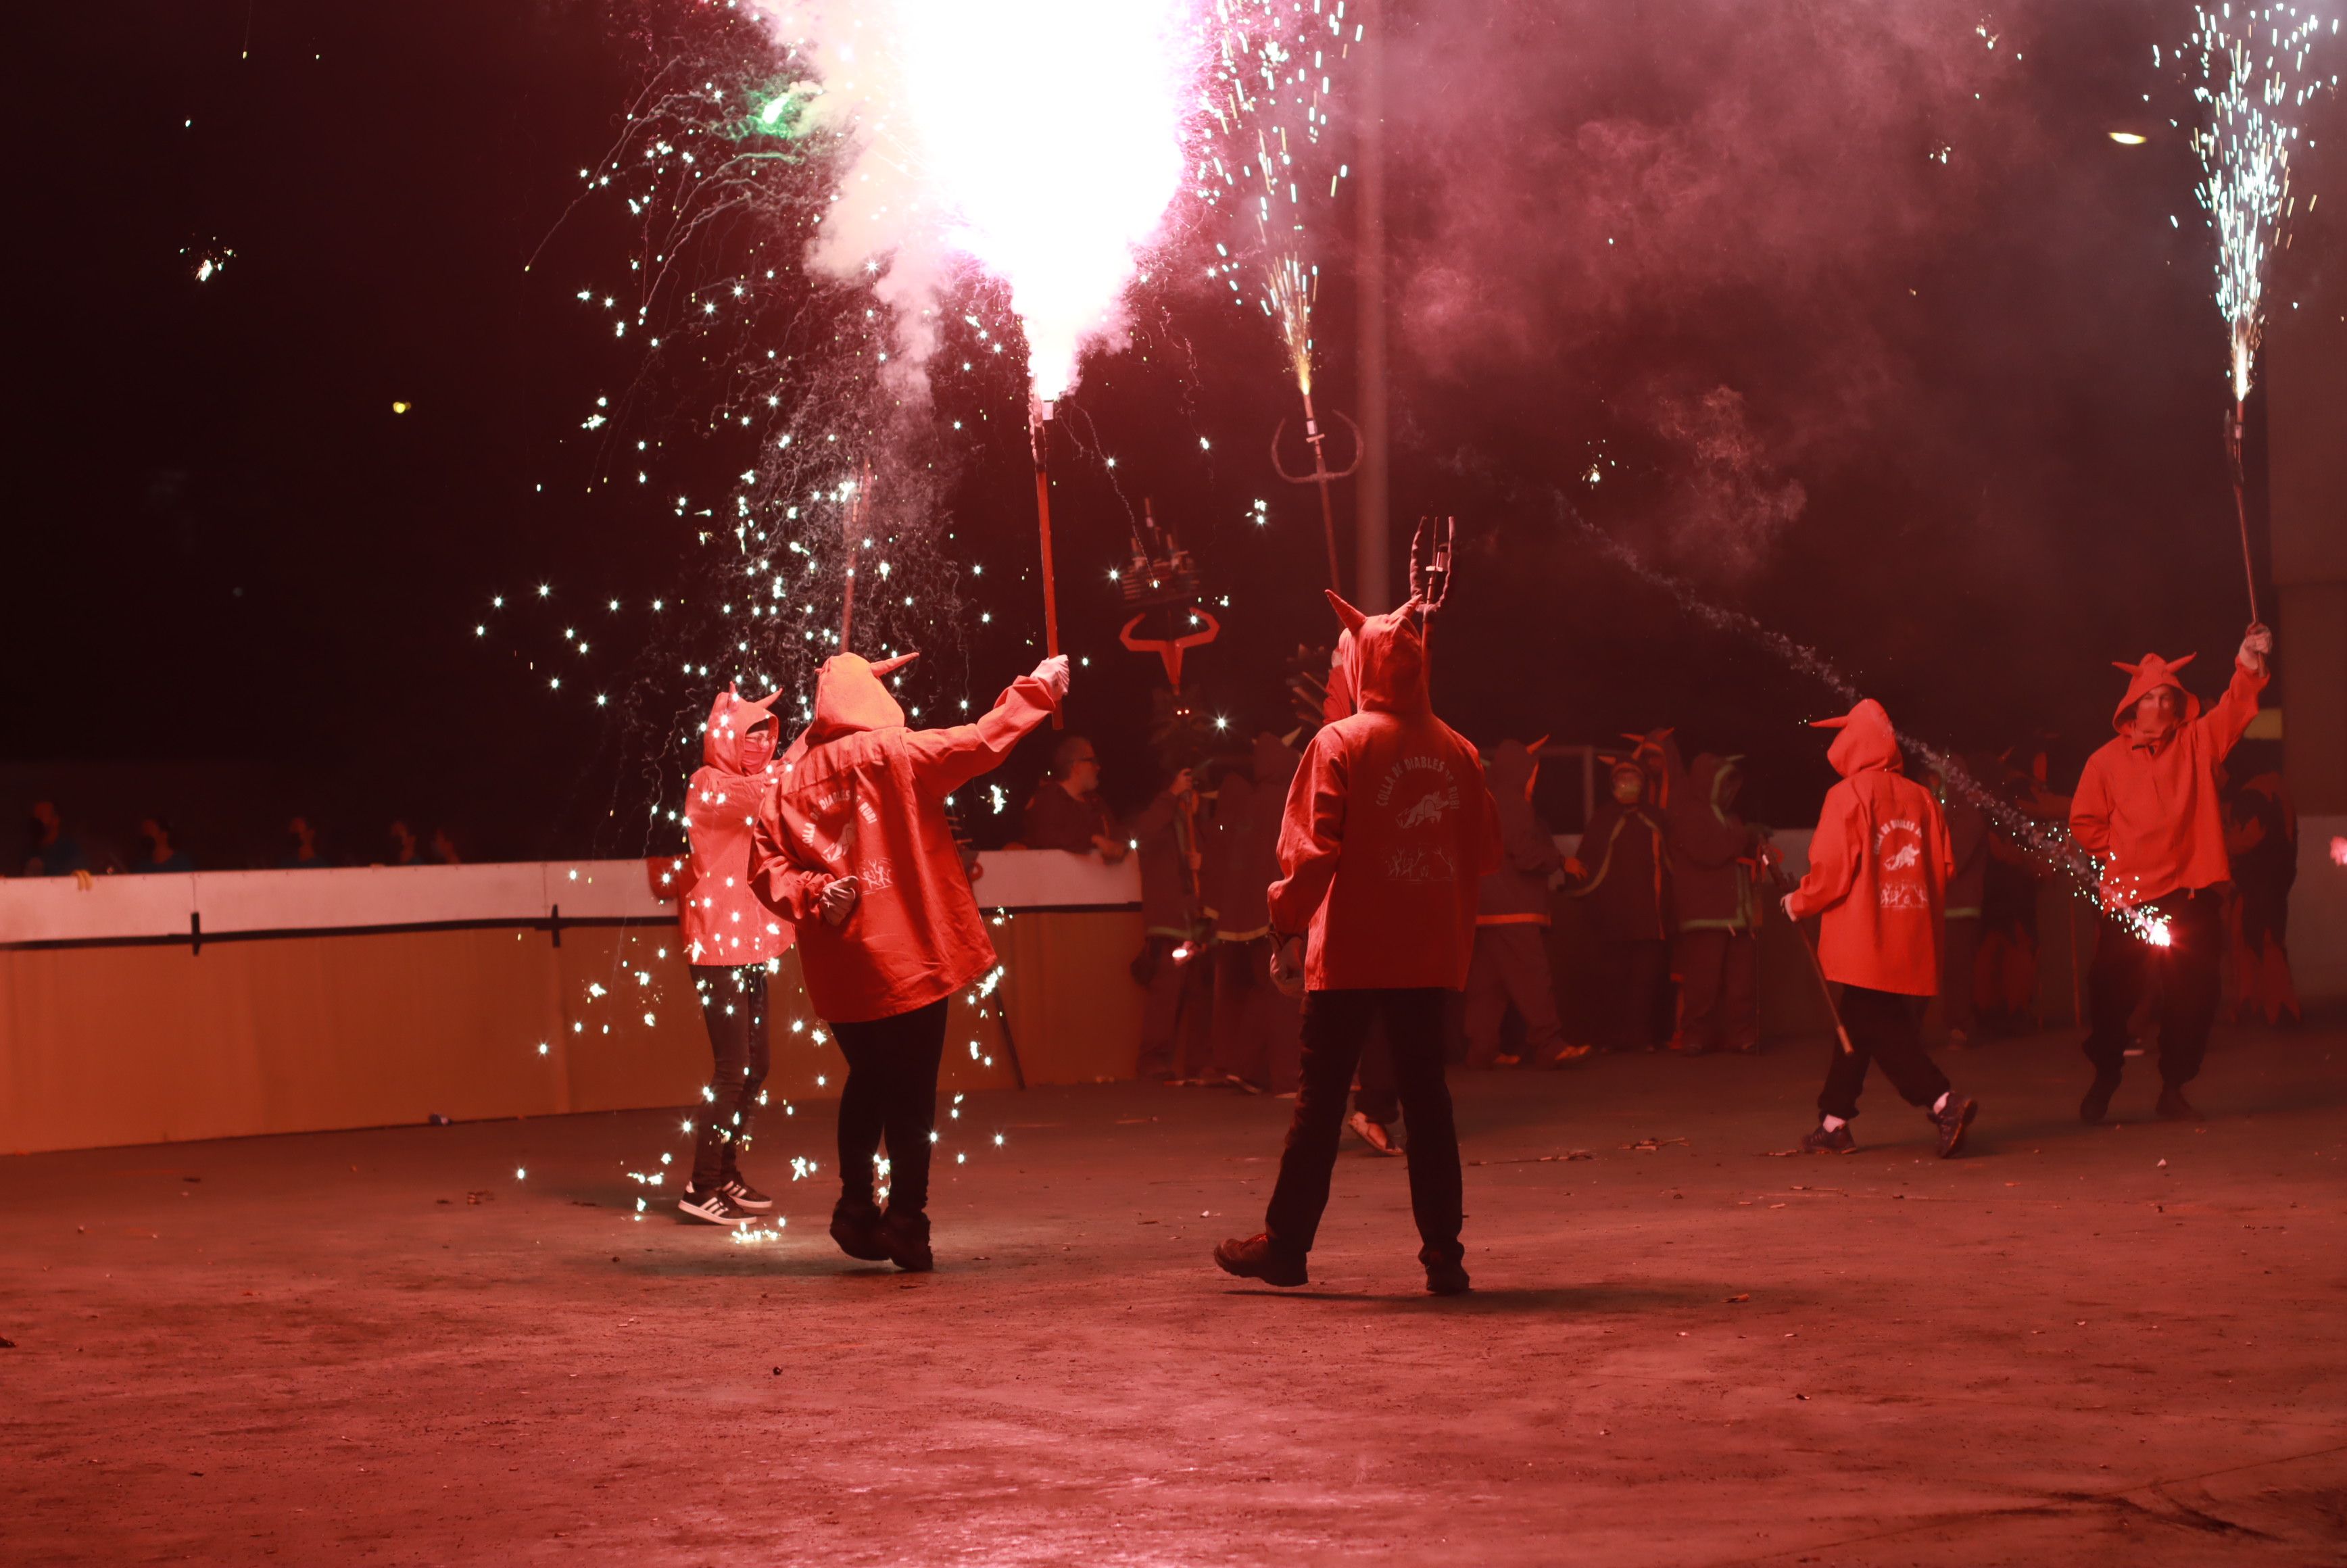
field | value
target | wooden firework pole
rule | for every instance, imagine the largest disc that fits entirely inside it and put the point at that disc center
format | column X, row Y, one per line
column 850, row 522
column 2233, row 432
column 1038, row 440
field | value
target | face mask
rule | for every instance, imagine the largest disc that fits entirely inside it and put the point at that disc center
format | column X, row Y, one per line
column 1627, row 791
column 757, row 749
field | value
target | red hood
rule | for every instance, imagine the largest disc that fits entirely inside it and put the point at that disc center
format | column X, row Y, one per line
column 849, row 697
column 2149, row 676
column 1339, row 704
column 1386, row 665
column 1866, row 740
column 732, row 717
column 1511, row 772
column 1275, row 764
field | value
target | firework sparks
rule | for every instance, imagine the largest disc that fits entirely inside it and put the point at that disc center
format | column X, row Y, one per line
column 2251, row 73
column 1287, row 297
column 2049, row 844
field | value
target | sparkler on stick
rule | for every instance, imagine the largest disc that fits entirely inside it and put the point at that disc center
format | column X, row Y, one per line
column 2248, row 70
column 1038, row 441
column 851, row 525
column 1287, row 298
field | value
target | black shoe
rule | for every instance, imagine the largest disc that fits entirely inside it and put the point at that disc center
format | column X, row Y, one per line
column 1819, row 1140
column 716, row 1205
column 1258, row 1257
column 1952, row 1121
column 2098, row 1097
column 1447, row 1278
column 2175, row 1107
column 748, row 1196
column 855, row 1226
column 907, row 1237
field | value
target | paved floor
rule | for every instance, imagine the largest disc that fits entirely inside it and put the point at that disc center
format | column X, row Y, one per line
column 2110, row 1344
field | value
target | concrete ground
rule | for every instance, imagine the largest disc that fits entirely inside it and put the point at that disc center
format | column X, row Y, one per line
column 2108, row 1345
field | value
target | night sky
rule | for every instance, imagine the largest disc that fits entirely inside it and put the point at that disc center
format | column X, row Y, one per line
column 1864, row 323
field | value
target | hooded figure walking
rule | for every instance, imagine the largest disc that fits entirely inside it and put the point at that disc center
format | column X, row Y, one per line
column 854, row 848
column 731, row 940
column 1389, row 832
column 2149, row 810
column 1878, row 866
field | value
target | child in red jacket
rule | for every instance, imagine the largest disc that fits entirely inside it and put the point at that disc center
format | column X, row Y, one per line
column 854, row 848
column 1878, row 864
column 1388, row 833
column 730, row 940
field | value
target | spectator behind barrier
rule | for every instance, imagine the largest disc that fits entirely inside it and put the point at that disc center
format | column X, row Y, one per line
column 160, row 854
column 51, row 851
column 1066, row 810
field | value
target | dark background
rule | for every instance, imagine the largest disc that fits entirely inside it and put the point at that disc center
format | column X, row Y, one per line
column 1892, row 348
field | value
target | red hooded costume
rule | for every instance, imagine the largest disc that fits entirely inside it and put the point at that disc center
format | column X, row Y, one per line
column 2149, row 808
column 723, row 922
column 1517, row 893
column 1879, row 864
column 1388, row 828
column 866, row 797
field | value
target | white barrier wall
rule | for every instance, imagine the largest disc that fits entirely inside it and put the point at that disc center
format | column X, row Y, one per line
column 231, row 903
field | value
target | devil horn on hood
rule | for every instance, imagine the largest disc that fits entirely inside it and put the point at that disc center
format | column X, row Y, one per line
column 1534, row 746
column 1839, row 721
column 882, row 666
column 1351, row 617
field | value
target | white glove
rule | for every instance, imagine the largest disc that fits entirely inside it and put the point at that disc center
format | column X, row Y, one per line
column 1053, row 673
column 2255, row 647
column 838, row 898
column 1288, row 966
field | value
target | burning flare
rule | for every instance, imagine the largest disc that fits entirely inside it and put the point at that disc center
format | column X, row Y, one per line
column 1043, row 140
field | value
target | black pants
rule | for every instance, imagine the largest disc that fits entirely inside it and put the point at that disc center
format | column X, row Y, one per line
column 1378, row 1098
column 891, row 1093
column 1631, row 985
column 2183, row 977
column 733, row 1006
column 1884, row 1028
column 1336, row 1023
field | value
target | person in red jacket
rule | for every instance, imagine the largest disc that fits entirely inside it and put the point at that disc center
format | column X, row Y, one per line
column 1878, row 864
column 1177, row 989
column 1387, row 832
column 853, row 847
column 1717, row 860
column 2149, row 808
column 1622, row 869
column 730, row 941
column 1512, row 924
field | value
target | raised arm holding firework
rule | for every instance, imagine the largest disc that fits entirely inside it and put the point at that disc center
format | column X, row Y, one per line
column 853, row 847
column 2149, row 809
